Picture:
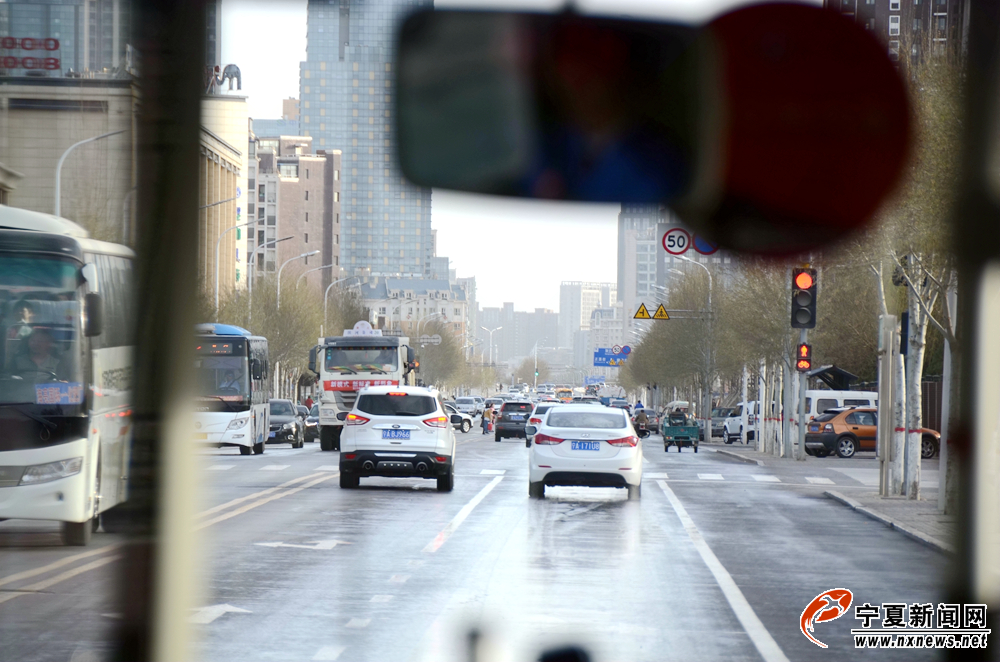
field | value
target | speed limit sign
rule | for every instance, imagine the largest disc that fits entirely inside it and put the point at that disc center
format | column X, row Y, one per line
column 676, row 241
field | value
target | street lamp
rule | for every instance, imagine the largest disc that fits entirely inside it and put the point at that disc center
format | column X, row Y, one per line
column 59, row 165
column 326, row 294
column 303, row 274
column 219, row 241
column 535, row 350
column 284, row 264
column 489, row 331
column 420, row 322
column 707, row 414
column 250, row 274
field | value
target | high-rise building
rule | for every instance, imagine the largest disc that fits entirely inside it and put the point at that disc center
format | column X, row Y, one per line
column 213, row 33
column 290, row 109
column 346, row 103
column 577, row 300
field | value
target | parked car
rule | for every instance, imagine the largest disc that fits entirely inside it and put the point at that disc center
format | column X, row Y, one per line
column 847, row 430
column 732, row 427
column 286, row 426
column 310, row 428
column 465, row 424
column 494, row 402
column 481, row 401
column 398, row 431
column 586, row 445
column 513, row 417
column 719, row 416
column 468, row 405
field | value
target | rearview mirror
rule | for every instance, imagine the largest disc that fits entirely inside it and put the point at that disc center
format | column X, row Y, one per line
column 341, row 415
column 456, row 419
column 256, row 370
column 312, row 360
column 530, row 430
column 774, row 128
column 93, row 314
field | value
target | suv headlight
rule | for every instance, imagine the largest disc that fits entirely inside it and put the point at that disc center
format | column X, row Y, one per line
column 288, row 426
column 43, row 473
column 238, row 423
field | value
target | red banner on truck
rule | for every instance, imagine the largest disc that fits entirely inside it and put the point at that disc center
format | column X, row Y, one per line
column 356, row 384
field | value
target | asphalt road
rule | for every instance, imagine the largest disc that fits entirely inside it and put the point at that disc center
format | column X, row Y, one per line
column 717, row 560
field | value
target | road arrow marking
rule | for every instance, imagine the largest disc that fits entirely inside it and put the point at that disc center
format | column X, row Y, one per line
column 313, row 544
column 206, row 615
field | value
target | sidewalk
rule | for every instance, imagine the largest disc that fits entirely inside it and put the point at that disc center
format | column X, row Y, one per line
column 918, row 519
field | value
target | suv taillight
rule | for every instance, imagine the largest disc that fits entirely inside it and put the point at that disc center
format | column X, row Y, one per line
column 546, row 440
column 437, row 422
column 354, row 419
column 624, row 441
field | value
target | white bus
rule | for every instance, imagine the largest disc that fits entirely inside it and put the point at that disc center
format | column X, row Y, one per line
column 67, row 322
column 232, row 408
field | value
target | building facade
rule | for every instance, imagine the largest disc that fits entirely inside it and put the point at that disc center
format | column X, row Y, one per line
column 346, row 103
column 220, row 170
column 225, row 117
column 408, row 305
column 577, row 300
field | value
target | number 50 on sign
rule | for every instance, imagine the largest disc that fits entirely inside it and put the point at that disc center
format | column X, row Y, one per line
column 676, row 241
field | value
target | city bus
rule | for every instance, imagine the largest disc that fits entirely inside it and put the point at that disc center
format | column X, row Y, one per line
column 67, row 322
column 232, row 401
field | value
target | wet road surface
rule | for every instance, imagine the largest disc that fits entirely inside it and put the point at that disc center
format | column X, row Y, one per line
column 717, row 560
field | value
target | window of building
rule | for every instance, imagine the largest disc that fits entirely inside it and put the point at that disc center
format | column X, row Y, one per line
column 260, row 193
column 918, row 24
column 336, row 175
column 336, row 196
column 307, row 173
column 260, row 212
column 893, row 5
column 271, row 220
column 893, row 26
column 307, row 237
column 306, row 262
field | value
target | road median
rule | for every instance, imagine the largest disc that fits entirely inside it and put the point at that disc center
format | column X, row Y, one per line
column 898, row 523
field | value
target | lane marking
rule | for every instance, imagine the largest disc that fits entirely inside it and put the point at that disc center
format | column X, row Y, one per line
column 456, row 522
column 654, row 475
column 766, row 479
column 819, row 480
column 206, row 615
column 261, row 502
column 710, row 477
column 220, row 467
column 52, row 581
column 328, row 467
column 274, row 467
column 28, row 574
column 761, row 638
column 255, row 495
column 358, row 623
column 329, row 653
column 399, row 579
column 492, row 472
column 381, row 598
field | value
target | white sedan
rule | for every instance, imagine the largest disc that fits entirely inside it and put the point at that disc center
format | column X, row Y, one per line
column 587, row 445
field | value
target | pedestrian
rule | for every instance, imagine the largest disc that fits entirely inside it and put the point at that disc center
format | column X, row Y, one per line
column 487, row 418
column 308, row 402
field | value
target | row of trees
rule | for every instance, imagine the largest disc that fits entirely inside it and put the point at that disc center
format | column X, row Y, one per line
column 903, row 262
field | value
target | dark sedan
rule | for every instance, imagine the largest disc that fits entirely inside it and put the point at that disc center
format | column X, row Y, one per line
column 310, row 419
column 286, row 426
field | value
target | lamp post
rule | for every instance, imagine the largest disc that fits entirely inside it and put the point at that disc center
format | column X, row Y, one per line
column 59, row 165
column 420, row 322
column 253, row 255
column 284, row 264
column 217, row 243
column 535, row 351
column 326, row 294
column 707, row 414
column 303, row 274
column 490, row 331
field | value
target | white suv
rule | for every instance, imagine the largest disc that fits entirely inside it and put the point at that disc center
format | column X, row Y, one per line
column 398, row 431
column 589, row 445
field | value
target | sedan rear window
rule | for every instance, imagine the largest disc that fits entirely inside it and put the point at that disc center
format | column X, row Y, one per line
column 465, row 401
column 516, row 406
column 586, row 419
column 541, row 409
column 279, row 408
column 397, row 405
column 823, row 418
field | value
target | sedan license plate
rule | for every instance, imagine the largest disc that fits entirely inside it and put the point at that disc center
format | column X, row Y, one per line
column 201, row 435
column 814, row 428
column 272, row 435
column 395, row 434
column 585, row 445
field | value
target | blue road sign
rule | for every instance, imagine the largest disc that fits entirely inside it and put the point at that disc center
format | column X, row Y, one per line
column 607, row 357
column 591, row 381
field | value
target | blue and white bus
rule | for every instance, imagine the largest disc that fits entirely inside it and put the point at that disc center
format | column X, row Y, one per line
column 231, row 366
column 66, row 322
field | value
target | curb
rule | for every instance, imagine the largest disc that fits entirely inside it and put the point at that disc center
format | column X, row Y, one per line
column 919, row 536
column 738, row 456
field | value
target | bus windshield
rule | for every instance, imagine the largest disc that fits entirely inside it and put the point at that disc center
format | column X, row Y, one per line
column 39, row 320
column 361, row 359
column 221, row 369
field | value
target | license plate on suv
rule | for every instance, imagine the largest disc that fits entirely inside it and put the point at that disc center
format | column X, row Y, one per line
column 395, row 434
column 585, row 445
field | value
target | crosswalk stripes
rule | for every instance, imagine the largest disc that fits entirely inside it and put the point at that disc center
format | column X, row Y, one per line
column 220, row 467
column 274, row 467
column 766, row 479
column 819, row 480
column 710, row 477
column 327, row 467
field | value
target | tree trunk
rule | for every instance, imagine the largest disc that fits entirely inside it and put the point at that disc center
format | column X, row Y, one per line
column 761, row 422
column 914, row 410
column 899, row 423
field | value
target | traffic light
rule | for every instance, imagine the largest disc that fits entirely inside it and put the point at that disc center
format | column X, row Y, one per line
column 803, row 357
column 803, row 298
column 536, row 373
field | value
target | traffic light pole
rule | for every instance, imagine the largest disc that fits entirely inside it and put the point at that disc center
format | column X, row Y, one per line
column 803, row 381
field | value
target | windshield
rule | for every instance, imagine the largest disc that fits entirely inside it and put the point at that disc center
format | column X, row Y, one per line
column 282, row 408
column 362, row 359
column 224, row 376
column 39, row 318
column 397, row 405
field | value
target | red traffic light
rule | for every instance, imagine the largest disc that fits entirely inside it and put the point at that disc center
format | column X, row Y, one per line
column 804, row 280
column 803, row 357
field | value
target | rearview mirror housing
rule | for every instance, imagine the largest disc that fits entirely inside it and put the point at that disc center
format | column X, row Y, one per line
column 93, row 310
column 456, row 419
column 312, row 360
column 256, row 369
column 530, row 430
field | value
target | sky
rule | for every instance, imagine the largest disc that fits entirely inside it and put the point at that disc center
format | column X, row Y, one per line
column 518, row 250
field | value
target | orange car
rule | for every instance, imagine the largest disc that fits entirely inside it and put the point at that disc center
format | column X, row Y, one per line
column 849, row 430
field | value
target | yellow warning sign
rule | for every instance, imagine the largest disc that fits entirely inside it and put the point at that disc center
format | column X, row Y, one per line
column 642, row 313
column 661, row 313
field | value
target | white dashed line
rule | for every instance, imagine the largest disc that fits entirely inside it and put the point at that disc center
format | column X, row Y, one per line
column 358, row 623
column 381, row 598
column 654, row 475
column 399, row 579
column 328, row 653
column 456, row 521
column 274, row 467
column 767, row 479
column 328, row 467
column 220, row 467
column 492, row 472
column 710, row 477
column 819, row 480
